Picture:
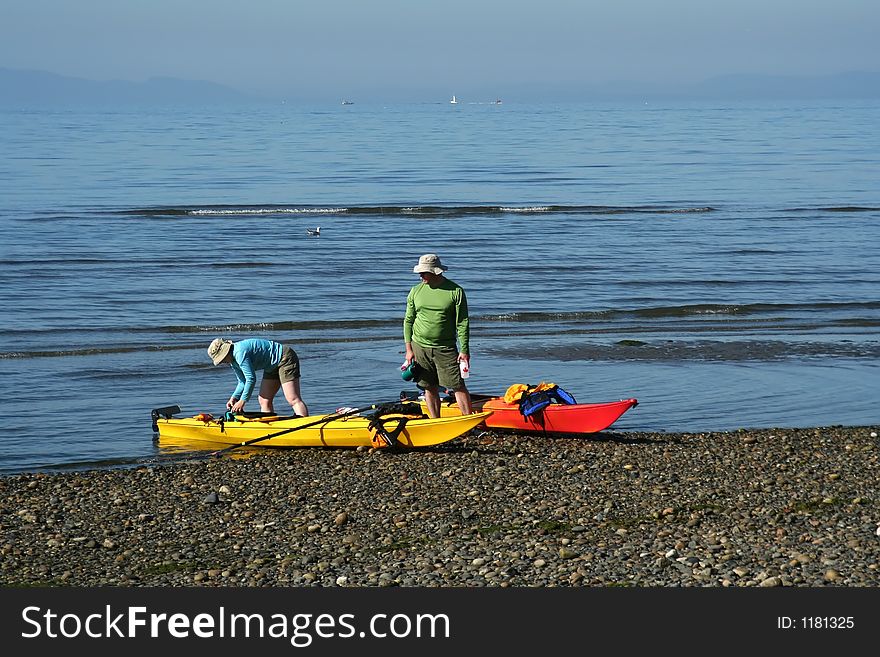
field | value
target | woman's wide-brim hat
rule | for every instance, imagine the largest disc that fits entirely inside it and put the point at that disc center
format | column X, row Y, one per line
column 219, row 349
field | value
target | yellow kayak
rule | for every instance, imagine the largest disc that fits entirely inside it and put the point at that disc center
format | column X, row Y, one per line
column 335, row 430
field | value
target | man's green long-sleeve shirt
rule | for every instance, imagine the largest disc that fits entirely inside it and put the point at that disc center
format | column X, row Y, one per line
column 435, row 317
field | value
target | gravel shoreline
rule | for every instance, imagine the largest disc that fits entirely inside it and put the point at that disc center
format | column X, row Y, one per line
column 768, row 507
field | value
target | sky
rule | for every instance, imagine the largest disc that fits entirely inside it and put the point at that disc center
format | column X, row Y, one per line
column 318, row 49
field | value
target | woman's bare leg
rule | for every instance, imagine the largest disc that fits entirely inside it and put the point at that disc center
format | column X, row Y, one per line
column 292, row 394
column 268, row 390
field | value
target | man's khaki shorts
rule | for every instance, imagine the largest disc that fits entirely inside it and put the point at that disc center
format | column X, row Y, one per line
column 439, row 367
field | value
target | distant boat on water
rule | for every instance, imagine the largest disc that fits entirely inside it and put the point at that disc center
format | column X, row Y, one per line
column 453, row 101
column 348, row 102
column 314, row 232
column 497, row 101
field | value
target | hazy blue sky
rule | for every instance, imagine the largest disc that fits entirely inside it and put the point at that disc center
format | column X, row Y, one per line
column 424, row 48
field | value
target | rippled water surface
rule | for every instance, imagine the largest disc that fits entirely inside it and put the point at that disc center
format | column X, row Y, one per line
column 714, row 261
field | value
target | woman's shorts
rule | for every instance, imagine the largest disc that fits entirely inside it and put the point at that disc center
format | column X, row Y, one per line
column 288, row 368
column 439, row 367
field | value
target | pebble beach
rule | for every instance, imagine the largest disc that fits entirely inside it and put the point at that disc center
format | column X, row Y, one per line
column 745, row 508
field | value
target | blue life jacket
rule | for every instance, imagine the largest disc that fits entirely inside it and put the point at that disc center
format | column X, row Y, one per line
column 535, row 402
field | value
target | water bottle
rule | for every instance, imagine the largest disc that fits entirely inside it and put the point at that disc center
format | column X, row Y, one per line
column 464, row 368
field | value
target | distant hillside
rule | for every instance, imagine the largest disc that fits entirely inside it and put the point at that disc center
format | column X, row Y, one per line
column 843, row 85
column 727, row 87
column 21, row 87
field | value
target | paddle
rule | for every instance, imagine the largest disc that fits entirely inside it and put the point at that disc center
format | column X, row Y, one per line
column 321, row 420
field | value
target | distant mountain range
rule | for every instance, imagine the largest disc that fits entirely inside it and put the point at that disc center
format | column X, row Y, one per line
column 854, row 84
column 41, row 87
column 726, row 87
column 26, row 87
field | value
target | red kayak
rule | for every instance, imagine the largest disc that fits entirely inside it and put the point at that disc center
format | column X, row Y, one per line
column 555, row 418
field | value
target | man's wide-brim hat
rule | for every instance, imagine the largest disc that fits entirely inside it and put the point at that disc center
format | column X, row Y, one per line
column 219, row 349
column 430, row 263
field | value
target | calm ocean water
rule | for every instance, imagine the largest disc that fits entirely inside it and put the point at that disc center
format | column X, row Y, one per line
column 717, row 262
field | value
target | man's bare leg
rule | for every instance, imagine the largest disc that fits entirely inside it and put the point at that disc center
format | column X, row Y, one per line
column 463, row 399
column 432, row 401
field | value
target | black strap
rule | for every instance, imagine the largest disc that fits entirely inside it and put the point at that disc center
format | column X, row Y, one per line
column 406, row 411
column 390, row 437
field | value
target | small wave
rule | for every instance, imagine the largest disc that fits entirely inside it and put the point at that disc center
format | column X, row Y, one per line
column 694, row 310
column 756, row 252
column 318, row 326
column 687, row 210
column 90, row 351
column 836, row 208
column 536, row 317
column 410, row 209
column 850, row 208
column 747, row 309
column 226, row 211
column 246, row 211
column 678, row 351
column 119, row 463
column 60, row 261
column 307, row 325
column 527, row 209
column 684, row 311
column 242, row 265
column 95, row 351
column 244, row 327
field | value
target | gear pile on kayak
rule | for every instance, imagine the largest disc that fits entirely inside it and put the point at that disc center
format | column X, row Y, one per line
column 542, row 408
column 389, row 425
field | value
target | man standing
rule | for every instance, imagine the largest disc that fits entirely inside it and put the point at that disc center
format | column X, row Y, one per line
column 437, row 316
